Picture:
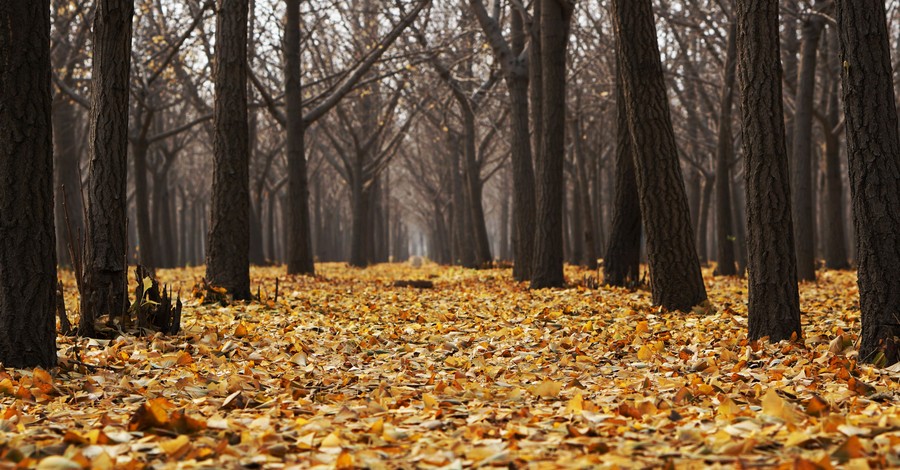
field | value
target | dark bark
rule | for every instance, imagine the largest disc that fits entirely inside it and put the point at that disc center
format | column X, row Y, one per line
column 774, row 305
column 145, row 241
column 105, row 276
column 300, row 254
column 474, row 187
column 675, row 275
column 802, row 189
column 67, row 185
column 835, row 239
column 873, row 149
column 227, row 252
column 621, row 266
column 706, row 196
column 725, row 265
column 583, row 195
column 27, row 238
column 556, row 16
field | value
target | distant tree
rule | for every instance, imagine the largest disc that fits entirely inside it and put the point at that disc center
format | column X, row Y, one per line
column 873, row 148
column 228, row 251
column 675, row 276
column 27, row 239
column 514, row 64
column 556, row 17
column 774, row 308
column 621, row 265
column 802, row 183
column 105, row 276
column 725, row 232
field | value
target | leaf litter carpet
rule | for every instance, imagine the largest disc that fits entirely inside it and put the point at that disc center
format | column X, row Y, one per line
column 346, row 371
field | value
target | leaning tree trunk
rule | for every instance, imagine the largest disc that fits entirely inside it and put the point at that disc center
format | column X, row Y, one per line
column 675, row 276
column 802, row 191
column 724, row 155
column 105, row 266
column 227, row 254
column 548, row 240
column 27, row 251
column 774, row 308
column 873, row 148
column 621, row 266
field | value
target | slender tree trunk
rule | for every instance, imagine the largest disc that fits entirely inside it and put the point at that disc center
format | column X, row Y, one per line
column 675, row 275
column 473, row 175
column 802, row 191
column 105, row 276
column 67, row 186
column 835, row 240
column 556, row 16
column 709, row 184
column 523, row 171
column 589, row 259
column 299, row 245
column 724, row 156
column 146, row 248
column 621, row 266
column 27, row 251
column 873, row 148
column 774, row 308
column 227, row 253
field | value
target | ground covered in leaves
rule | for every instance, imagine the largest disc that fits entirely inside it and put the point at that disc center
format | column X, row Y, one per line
column 345, row 370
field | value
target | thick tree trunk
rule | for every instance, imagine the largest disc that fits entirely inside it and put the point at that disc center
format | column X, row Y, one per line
column 873, row 148
column 27, row 238
column 774, row 308
column 105, row 276
column 556, row 16
column 675, row 275
column 227, row 252
column 621, row 266
column 299, row 246
column 724, row 155
column 802, row 190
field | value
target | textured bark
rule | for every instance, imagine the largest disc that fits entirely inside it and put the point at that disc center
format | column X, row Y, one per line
column 675, row 276
column 724, row 155
column 873, row 148
column 548, row 238
column 774, row 307
column 105, row 276
column 802, row 190
column 227, row 252
column 482, row 245
column 300, row 254
column 27, row 238
column 621, row 266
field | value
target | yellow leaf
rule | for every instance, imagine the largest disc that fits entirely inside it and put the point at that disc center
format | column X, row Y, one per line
column 576, row 404
column 332, row 440
column 430, row 401
column 645, row 353
column 547, row 389
column 240, row 331
column 173, row 446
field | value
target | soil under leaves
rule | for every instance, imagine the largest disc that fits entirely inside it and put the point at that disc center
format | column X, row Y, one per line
column 346, row 370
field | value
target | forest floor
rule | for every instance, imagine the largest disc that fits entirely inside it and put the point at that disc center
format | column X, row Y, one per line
column 344, row 370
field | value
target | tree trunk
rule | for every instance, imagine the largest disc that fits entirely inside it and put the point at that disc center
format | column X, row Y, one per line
column 724, row 156
column 105, row 265
column 774, row 305
column 27, row 250
column 835, row 240
column 227, row 252
column 299, row 246
column 802, row 191
column 145, row 242
column 359, row 199
column 674, row 268
column 548, row 240
column 473, row 175
column 873, row 148
column 709, row 184
column 621, row 266
column 67, row 185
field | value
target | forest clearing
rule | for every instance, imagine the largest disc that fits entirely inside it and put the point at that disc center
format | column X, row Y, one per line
column 344, row 370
